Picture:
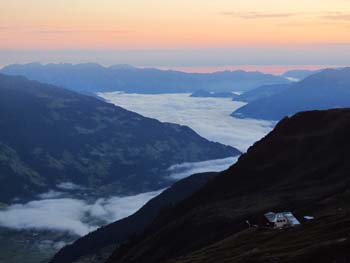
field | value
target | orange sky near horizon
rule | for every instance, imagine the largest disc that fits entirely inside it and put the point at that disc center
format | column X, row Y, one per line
column 171, row 24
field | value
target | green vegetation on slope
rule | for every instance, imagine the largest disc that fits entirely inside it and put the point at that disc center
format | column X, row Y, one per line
column 50, row 135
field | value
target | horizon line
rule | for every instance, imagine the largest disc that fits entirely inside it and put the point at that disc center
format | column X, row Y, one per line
column 266, row 69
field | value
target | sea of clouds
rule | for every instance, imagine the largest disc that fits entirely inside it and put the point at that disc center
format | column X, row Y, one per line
column 209, row 117
column 59, row 211
column 75, row 216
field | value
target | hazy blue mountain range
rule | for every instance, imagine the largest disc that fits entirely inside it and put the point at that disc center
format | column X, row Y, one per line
column 262, row 92
column 299, row 74
column 301, row 166
column 91, row 78
column 325, row 90
column 50, row 135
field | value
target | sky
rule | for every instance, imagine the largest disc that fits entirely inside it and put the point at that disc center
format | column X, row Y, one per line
column 196, row 33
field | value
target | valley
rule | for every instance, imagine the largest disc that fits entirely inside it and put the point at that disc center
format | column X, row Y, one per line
column 174, row 131
column 61, row 185
column 209, row 117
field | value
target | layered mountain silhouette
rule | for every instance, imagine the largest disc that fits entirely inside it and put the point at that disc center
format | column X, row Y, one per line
column 325, row 90
column 92, row 78
column 50, row 135
column 299, row 74
column 302, row 166
column 262, row 92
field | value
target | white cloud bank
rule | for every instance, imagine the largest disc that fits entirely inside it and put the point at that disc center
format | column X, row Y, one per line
column 75, row 216
column 180, row 171
column 209, row 117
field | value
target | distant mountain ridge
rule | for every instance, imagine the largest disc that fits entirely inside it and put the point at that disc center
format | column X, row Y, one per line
column 325, row 90
column 299, row 74
column 262, row 92
column 92, row 78
column 50, row 135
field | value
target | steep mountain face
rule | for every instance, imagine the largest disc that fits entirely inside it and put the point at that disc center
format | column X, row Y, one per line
column 325, row 90
column 302, row 166
column 262, row 92
column 92, row 78
column 98, row 245
column 49, row 135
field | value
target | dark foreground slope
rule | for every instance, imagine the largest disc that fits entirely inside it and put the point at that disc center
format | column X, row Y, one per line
column 50, row 135
column 99, row 244
column 302, row 166
column 325, row 90
column 92, row 78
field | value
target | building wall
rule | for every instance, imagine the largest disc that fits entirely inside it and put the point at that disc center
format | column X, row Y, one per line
column 281, row 223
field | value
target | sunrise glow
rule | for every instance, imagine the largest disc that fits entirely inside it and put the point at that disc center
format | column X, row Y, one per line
column 156, row 24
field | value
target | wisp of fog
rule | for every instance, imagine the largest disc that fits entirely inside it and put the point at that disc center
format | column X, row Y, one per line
column 183, row 170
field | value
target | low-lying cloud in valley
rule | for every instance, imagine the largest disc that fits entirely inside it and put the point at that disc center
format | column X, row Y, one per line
column 75, row 216
column 180, row 171
column 209, row 117
column 59, row 211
